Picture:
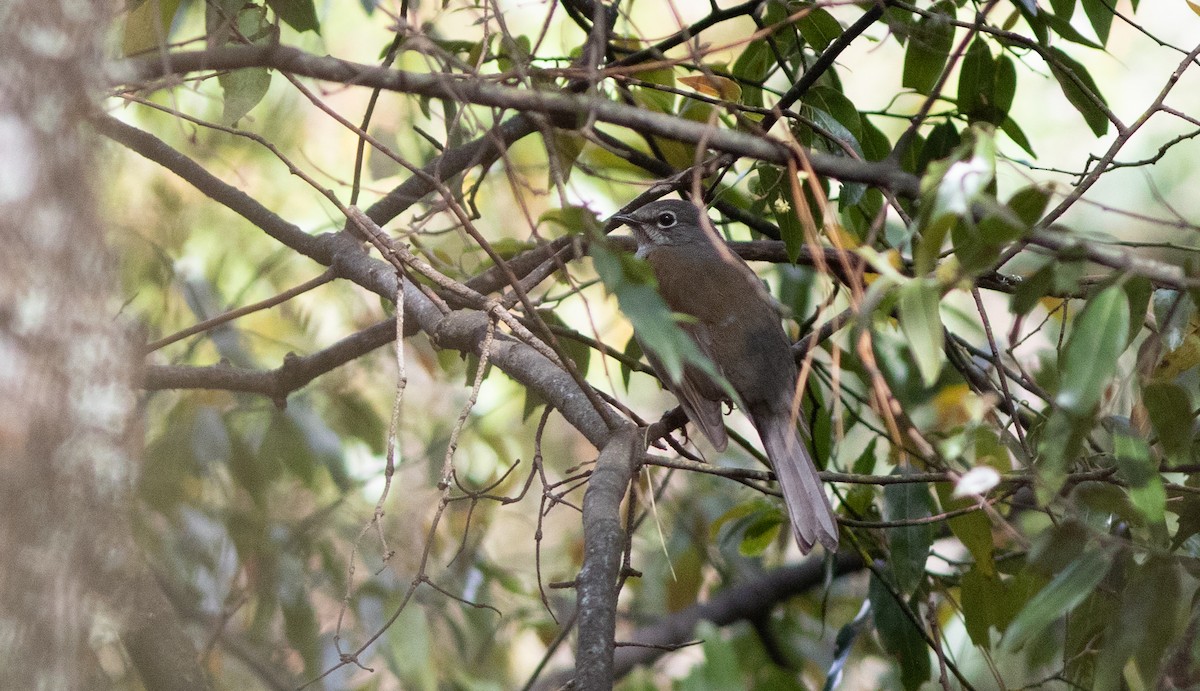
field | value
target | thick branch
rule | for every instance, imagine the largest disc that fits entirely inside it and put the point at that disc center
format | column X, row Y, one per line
column 294, row 373
column 603, row 542
column 748, row 600
column 347, row 256
column 568, row 109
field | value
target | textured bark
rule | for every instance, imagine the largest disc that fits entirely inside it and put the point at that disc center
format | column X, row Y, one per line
column 67, row 371
column 604, row 540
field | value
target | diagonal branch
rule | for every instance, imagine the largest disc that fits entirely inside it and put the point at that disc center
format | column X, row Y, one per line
column 566, row 109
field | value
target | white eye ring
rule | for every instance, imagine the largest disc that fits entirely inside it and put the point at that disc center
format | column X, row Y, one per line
column 665, row 220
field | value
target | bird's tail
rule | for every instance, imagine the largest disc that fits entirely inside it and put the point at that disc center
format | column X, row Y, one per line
column 809, row 510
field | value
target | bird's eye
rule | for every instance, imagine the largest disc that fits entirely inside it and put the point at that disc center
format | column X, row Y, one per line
column 666, row 219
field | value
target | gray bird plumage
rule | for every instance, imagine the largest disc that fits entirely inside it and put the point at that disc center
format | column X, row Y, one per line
column 737, row 327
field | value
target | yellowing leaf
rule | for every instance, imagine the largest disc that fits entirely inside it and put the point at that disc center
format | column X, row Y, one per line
column 712, row 85
column 1052, row 305
column 842, row 238
column 147, row 26
column 956, row 405
column 1195, row 7
column 1183, row 358
column 892, row 258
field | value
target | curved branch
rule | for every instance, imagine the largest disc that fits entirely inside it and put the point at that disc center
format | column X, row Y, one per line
column 744, row 601
column 748, row 600
column 293, row 374
column 603, row 543
column 462, row 331
column 568, row 109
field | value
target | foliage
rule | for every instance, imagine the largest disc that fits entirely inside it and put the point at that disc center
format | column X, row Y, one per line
column 951, row 196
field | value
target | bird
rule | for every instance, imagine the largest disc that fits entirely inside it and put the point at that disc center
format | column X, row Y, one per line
column 735, row 324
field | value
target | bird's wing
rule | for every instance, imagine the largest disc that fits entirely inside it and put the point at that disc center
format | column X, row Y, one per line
column 697, row 394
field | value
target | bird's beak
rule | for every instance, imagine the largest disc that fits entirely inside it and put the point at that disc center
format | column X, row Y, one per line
column 623, row 218
column 634, row 225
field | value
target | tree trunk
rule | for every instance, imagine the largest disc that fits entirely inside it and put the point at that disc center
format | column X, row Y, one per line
column 68, row 436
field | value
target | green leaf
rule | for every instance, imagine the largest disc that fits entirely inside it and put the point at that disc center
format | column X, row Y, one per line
column 1170, row 413
column 300, row 627
column 950, row 189
column 973, row 529
column 220, row 16
column 943, row 139
column 1146, row 627
column 981, row 598
column 1061, row 595
column 1005, row 86
column 631, row 281
column 1032, row 289
column 734, row 514
column 976, row 82
column 633, row 351
column 778, row 201
column 1186, row 506
column 411, row 656
column 1029, row 203
column 756, row 522
column 819, row 28
column 752, row 67
column 243, row 89
column 148, row 26
column 921, row 321
column 1015, row 133
column 565, row 147
column 786, row 39
column 897, row 363
column 839, row 109
column 1054, row 278
column 978, row 246
column 653, row 99
column 1089, row 360
column 928, row 48
column 909, row 544
column 301, row 15
column 1064, row 29
column 875, row 144
column 253, row 471
column 532, row 403
column 1084, row 94
column 759, row 535
column 720, row 668
column 1138, row 290
column 514, row 52
column 900, row 637
column 1100, row 14
column 1082, row 631
column 1101, row 503
column 1140, row 469
column 578, row 352
column 1063, row 8
column 575, row 220
column 1056, row 547
column 1059, row 442
column 284, row 445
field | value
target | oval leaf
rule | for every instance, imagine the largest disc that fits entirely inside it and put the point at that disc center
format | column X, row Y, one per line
column 1063, row 594
column 1089, row 360
column 910, row 544
column 921, row 321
